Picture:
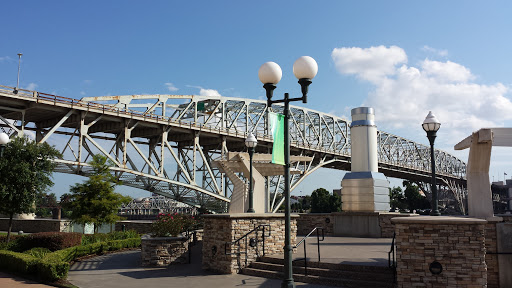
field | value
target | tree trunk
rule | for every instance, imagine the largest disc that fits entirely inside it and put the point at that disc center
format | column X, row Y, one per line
column 10, row 227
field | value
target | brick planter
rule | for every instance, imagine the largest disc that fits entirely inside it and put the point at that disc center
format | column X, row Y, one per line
column 457, row 243
column 220, row 229
column 164, row 251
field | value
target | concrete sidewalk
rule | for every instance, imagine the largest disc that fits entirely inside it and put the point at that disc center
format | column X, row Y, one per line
column 124, row 270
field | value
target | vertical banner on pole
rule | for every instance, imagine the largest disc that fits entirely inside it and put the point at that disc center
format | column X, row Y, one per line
column 277, row 129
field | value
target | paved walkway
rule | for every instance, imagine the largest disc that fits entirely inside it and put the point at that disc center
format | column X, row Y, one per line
column 124, row 270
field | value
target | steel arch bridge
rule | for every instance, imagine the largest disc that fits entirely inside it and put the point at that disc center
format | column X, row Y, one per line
column 165, row 144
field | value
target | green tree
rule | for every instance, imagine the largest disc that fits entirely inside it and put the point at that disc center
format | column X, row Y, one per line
column 324, row 202
column 45, row 203
column 95, row 201
column 25, row 171
column 397, row 198
column 413, row 198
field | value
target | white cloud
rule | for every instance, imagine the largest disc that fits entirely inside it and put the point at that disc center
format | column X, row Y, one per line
column 208, row 92
column 446, row 71
column 31, row 86
column 368, row 63
column 171, row 87
column 440, row 52
column 5, row 58
column 82, row 93
column 205, row 92
column 88, row 82
column 403, row 95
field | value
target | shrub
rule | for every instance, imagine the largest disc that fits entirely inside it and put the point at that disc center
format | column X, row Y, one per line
column 117, row 235
column 38, row 252
column 172, row 224
column 18, row 262
column 55, row 265
column 51, row 240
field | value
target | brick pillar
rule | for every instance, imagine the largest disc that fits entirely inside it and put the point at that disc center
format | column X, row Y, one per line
column 220, row 229
column 458, row 244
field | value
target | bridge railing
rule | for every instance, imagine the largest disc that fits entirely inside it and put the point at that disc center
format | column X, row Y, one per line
column 122, row 111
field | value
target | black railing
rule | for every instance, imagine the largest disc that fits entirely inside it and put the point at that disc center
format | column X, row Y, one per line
column 318, row 240
column 252, row 242
column 193, row 235
column 392, row 257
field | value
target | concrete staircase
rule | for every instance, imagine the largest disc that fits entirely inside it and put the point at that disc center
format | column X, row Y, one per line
column 331, row 274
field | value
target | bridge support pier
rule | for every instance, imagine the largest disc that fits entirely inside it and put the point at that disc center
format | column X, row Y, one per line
column 364, row 189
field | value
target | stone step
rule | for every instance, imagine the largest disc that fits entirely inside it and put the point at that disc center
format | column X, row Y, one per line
column 338, row 282
column 385, row 276
column 333, row 266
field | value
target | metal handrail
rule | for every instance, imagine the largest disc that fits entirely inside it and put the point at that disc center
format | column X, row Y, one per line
column 252, row 243
column 193, row 235
column 392, row 253
column 317, row 229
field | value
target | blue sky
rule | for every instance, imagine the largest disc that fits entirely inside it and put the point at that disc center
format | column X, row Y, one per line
column 403, row 58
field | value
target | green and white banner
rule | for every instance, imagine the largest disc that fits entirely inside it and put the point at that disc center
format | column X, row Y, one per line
column 277, row 129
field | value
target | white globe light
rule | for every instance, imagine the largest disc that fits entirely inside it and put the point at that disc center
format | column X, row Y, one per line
column 4, row 139
column 251, row 141
column 270, row 72
column 305, row 67
column 431, row 124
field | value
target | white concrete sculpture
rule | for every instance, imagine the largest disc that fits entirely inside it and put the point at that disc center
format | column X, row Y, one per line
column 364, row 189
column 237, row 162
column 479, row 187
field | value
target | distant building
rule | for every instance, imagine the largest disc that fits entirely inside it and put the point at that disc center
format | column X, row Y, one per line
column 150, row 207
column 501, row 195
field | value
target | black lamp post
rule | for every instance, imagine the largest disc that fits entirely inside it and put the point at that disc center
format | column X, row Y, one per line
column 18, row 79
column 4, row 139
column 251, row 143
column 305, row 69
column 431, row 125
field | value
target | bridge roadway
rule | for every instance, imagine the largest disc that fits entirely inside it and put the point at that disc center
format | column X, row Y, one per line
column 165, row 143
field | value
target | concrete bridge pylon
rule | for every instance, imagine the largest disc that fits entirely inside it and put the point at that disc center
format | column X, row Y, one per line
column 364, row 189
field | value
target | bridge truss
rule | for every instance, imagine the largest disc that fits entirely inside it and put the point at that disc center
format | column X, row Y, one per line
column 165, row 144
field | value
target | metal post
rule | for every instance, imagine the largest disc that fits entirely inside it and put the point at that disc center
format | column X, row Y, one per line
column 18, row 81
column 288, row 269
column 2, row 148
column 431, row 135
column 251, row 194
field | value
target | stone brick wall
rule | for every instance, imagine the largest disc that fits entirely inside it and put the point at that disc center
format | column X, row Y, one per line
column 224, row 228
column 164, row 251
column 307, row 222
column 35, row 225
column 457, row 243
column 491, row 246
column 386, row 227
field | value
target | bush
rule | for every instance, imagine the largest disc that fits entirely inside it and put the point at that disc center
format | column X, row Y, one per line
column 51, row 240
column 172, row 224
column 18, row 262
column 38, row 252
column 101, row 237
column 55, row 265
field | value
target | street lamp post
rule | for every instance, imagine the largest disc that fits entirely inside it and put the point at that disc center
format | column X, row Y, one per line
column 251, row 143
column 305, row 69
column 18, row 81
column 4, row 139
column 431, row 125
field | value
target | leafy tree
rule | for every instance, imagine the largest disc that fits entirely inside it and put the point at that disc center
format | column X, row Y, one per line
column 95, row 201
column 45, row 203
column 25, row 171
column 397, row 198
column 324, row 202
column 413, row 197
column 306, row 202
